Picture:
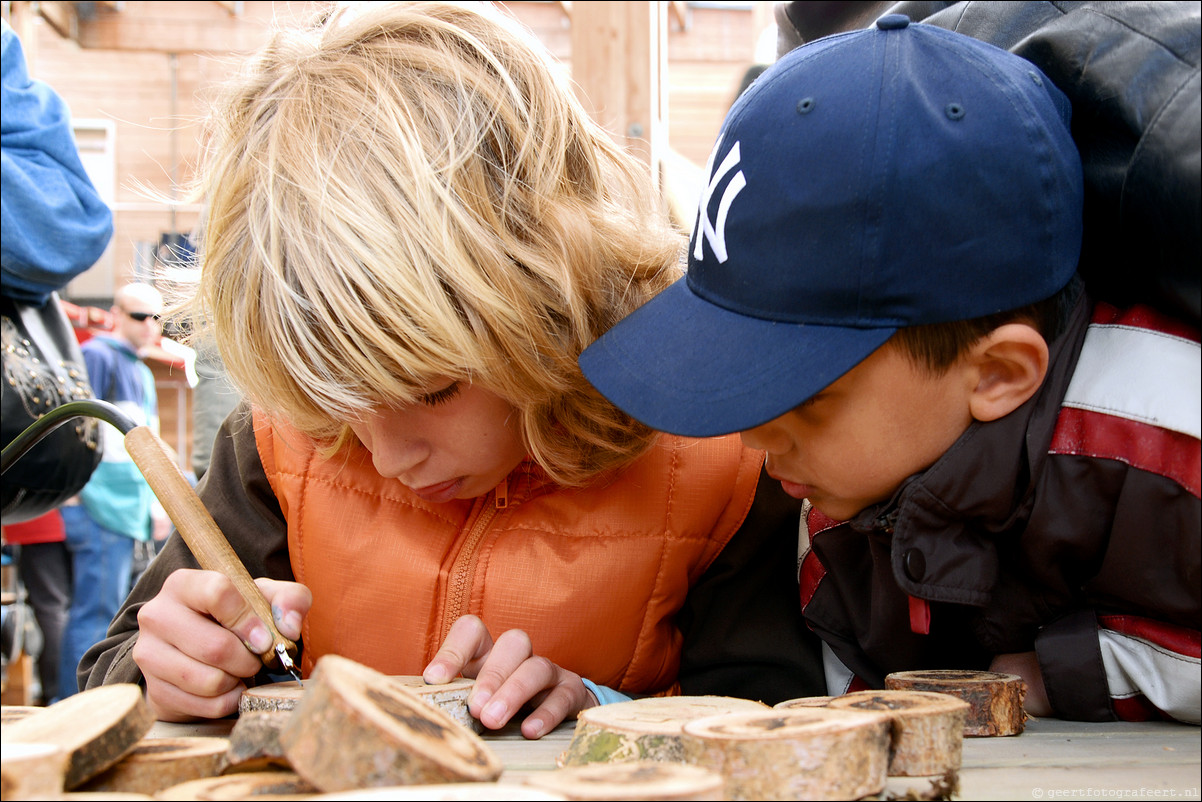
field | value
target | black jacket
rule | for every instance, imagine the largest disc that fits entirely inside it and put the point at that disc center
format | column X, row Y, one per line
column 1067, row 528
column 1131, row 70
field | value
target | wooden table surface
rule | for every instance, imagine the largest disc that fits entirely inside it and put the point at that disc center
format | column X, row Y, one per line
column 1052, row 759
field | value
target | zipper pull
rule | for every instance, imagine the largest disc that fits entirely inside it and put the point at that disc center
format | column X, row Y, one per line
column 502, row 492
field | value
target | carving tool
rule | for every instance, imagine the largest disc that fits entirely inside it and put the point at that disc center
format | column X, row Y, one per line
column 187, row 512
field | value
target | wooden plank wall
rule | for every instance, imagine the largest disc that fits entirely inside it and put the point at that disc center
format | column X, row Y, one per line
column 145, row 66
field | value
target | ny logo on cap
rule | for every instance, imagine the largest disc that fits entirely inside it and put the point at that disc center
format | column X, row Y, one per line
column 715, row 232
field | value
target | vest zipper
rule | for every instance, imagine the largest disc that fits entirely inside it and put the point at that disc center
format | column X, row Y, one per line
column 459, row 583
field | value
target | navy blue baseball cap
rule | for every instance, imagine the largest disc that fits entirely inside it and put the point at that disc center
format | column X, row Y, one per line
column 893, row 176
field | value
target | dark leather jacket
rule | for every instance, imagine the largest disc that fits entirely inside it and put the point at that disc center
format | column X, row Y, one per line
column 1131, row 71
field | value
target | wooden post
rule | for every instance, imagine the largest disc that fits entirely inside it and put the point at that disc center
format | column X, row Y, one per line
column 619, row 64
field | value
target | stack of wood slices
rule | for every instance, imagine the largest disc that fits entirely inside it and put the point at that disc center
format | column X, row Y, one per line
column 903, row 742
column 351, row 732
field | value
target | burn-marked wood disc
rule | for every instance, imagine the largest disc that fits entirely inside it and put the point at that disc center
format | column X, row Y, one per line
column 995, row 700
column 385, row 734
column 96, row 728
column 801, row 753
column 641, row 779
column 158, row 763
column 277, row 785
column 927, row 728
column 645, row 729
column 450, row 697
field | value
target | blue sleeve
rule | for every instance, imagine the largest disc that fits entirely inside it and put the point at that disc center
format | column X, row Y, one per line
column 54, row 224
column 604, row 695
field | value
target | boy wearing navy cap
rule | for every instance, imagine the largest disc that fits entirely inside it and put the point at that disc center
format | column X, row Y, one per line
column 1002, row 473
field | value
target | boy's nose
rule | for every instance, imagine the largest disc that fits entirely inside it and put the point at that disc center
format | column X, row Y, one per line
column 766, row 437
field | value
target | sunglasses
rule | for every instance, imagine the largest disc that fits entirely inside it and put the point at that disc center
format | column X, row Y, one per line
column 141, row 316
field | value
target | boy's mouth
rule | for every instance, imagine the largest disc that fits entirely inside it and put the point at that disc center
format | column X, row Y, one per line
column 794, row 489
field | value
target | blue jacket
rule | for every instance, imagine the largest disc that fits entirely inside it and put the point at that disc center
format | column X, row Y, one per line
column 117, row 496
column 54, row 225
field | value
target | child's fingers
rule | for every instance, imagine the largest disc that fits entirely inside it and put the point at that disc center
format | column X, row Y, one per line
column 290, row 603
column 511, row 652
column 467, row 645
column 567, row 698
column 214, row 595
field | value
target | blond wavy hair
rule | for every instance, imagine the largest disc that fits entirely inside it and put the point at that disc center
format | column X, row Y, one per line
column 409, row 191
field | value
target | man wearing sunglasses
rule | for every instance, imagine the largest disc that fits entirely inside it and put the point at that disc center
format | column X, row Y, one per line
column 115, row 507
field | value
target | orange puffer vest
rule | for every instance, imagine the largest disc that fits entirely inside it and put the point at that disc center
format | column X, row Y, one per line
column 593, row 575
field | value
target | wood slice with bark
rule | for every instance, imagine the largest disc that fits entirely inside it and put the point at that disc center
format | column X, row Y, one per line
column 645, row 729
column 995, row 701
column 927, row 728
column 32, row 771
column 96, row 728
column 386, row 735
column 158, row 763
column 276, row 785
column 450, row 697
column 276, row 697
column 802, row 753
column 254, row 742
column 641, row 779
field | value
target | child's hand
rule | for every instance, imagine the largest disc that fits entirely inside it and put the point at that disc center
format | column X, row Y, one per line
column 191, row 638
column 508, row 675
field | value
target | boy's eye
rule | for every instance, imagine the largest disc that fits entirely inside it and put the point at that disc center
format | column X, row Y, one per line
column 441, row 396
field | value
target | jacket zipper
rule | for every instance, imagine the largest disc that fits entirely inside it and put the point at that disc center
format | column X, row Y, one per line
column 459, row 583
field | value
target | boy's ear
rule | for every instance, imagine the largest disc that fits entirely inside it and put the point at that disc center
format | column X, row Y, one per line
column 1009, row 366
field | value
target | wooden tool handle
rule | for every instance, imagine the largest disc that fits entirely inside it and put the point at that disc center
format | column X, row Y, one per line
column 198, row 528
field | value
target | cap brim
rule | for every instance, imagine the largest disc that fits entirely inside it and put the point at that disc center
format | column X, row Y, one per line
column 683, row 365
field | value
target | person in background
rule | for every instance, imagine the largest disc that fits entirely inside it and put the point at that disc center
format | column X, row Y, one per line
column 412, row 229
column 53, row 226
column 116, row 507
column 44, row 566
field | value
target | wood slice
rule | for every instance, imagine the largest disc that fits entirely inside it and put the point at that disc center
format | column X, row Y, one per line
column 254, row 742
column 803, row 753
column 804, row 701
column 279, row 785
column 272, row 698
column 927, row 728
column 158, row 763
column 96, row 728
column 11, row 713
column 645, row 729
column 641, row 779
column 447, row 791
column 995, row 700
column 32, row 771
column 386, row 735
column 450, row 697
column 103, row 796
